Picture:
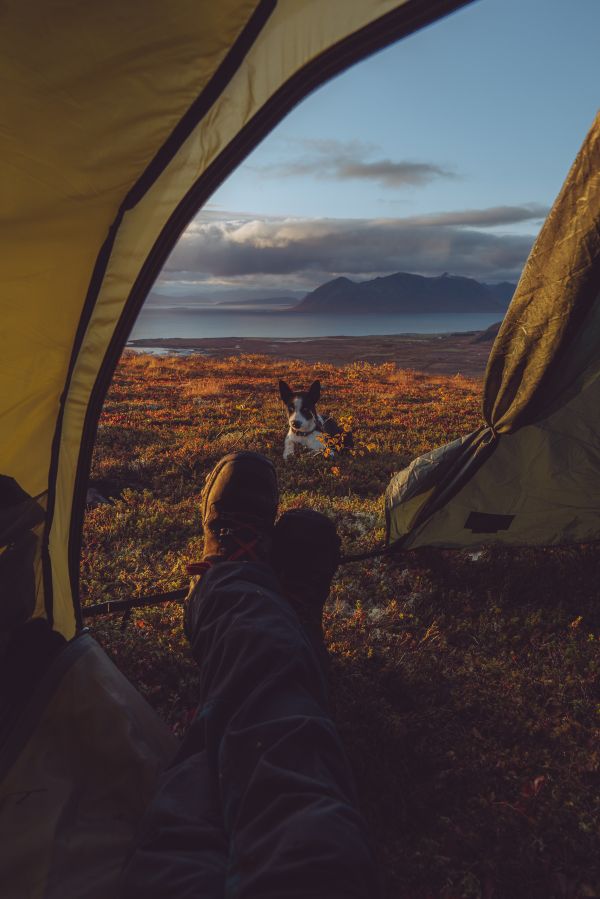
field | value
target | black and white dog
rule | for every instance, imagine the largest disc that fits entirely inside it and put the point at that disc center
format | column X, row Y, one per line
column 308, row 429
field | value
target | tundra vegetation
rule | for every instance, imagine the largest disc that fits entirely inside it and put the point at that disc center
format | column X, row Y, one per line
column 465, row 685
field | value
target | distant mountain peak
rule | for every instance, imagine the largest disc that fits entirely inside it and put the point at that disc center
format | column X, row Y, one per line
column 405, row 292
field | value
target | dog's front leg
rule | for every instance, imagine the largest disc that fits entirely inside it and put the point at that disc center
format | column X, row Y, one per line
column 289, row 448
column 317, row 444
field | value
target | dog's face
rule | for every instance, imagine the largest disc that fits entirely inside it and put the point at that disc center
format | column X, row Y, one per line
column 301, row 407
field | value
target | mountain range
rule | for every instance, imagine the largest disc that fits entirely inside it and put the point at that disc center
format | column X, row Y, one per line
column 407, row 293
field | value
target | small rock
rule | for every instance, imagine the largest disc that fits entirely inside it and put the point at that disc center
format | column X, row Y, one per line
column 94, row 498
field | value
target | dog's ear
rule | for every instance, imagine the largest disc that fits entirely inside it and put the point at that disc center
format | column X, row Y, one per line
column 314, row 392
column 285, row 392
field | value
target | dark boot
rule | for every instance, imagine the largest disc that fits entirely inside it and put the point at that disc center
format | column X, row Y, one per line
column 306, row 554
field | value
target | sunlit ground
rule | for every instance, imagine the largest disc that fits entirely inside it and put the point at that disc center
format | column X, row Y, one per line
column 465, row 686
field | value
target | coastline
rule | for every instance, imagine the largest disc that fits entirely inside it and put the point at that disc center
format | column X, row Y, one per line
column 464, row 353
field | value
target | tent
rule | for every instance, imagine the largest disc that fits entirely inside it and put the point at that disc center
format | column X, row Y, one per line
column 119, row 119
column 531, row 474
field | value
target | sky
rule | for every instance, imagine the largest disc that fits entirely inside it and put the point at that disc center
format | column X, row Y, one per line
column 442, row 153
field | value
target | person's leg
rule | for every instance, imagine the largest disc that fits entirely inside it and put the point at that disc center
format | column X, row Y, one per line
column 261, row 768
column 287, row 794
column 182, row 848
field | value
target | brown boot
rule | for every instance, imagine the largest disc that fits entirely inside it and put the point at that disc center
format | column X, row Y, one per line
column 239, row 505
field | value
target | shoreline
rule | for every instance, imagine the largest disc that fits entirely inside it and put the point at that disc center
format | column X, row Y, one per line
column 464, row 353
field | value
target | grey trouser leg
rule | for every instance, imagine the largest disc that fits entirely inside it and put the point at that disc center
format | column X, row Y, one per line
column 270, row 749
column 182, row 848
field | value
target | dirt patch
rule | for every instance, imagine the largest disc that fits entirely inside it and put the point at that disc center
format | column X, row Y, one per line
column 448, row 354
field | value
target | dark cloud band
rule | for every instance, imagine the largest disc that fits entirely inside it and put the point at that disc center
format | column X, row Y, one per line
column 340, row 161
column 429, row 245
column 384, row 171
column 484, row 218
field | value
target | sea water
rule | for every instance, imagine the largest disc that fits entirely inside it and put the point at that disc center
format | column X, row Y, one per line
column 197, row 323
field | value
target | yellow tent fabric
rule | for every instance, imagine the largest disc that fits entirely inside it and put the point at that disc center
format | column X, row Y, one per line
column 531, row 474
column 118, row 121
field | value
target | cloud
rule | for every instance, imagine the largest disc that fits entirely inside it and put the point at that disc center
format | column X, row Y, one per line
column 484, row 218
column 349, row 161
column 309, row 251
